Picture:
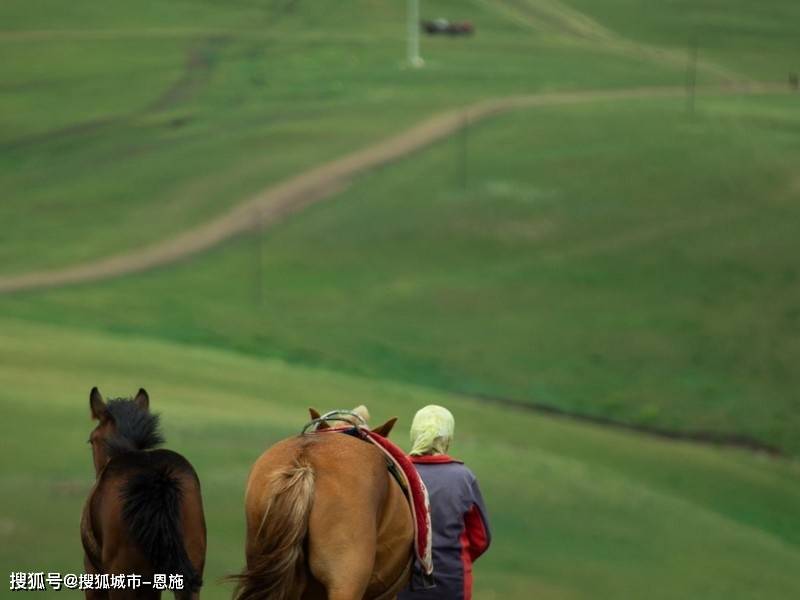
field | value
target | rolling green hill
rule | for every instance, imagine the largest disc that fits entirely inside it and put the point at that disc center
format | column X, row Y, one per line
column 577, row 511
column 626, row 259
column 752, row 38
column 618, row 259
column 124, row 125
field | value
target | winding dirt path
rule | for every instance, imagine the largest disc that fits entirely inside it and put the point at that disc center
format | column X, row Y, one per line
column 320, row 183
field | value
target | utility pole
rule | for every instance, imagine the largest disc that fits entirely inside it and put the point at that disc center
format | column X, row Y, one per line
column 258, row 231
column 414, row 58
column 691, row 73
column 463, row 152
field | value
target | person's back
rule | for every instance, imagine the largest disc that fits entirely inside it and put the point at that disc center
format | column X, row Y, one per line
column 458, row 515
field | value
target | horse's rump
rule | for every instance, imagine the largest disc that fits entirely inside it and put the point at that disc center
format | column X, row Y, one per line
column 154, row 490
column 324, row 514
column 276, row 555
column 152, row 508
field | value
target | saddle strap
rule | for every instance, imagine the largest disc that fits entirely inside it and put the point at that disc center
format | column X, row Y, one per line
column 398, row 477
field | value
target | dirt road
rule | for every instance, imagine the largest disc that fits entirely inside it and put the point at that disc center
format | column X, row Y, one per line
column 317, row 184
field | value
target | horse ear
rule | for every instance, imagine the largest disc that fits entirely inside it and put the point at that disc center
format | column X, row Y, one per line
column 315, row 415
column 142, row 400
column 97, row 405
column 386, row 428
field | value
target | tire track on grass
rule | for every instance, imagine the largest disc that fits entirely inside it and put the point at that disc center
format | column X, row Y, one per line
column 197, row 70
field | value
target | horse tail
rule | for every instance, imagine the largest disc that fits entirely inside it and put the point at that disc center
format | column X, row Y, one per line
column 152, row 509
column 276, row 562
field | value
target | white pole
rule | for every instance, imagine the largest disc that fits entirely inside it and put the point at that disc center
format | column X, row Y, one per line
column 414, row 58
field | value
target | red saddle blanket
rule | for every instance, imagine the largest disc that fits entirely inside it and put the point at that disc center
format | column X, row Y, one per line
column 414, row 489
column 417, row 497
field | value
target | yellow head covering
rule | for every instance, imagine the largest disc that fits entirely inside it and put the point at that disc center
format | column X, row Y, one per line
column 432, row 430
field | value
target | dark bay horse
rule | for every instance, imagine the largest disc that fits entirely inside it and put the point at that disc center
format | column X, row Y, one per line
column 144, row 515
column 325, row 519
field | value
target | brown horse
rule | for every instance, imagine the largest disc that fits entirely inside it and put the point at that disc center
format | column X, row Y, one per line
column 144, row 515
column 325, row 519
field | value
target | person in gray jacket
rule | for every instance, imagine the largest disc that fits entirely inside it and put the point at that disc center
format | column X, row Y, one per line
column 458, row 515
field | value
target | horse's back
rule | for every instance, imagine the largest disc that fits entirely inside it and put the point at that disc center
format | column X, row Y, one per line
column 124, row 464
column 343, row 466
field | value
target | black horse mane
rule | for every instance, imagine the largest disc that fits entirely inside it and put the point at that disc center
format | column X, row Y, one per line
column 136, row 429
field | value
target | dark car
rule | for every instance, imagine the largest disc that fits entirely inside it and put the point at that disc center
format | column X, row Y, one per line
column 437, row 26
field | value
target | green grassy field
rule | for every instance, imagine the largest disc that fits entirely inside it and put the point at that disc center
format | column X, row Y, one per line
column 622, row 260
column 751, row 38
column 618, row 260
column 578, row 512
